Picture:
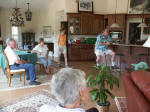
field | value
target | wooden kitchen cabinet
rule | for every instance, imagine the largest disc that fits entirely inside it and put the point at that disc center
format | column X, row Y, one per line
column 86, row 23
column 120, row 19
column 98, row 24
column 89, row 24
column 81, row 52
column 74, row 24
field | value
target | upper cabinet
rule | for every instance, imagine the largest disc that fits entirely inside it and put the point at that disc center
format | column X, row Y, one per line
column 85, row 23
column 74, row 24
column 120, row 19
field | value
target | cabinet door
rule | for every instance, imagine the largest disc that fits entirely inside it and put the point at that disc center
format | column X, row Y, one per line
column 98, row 24
column 74, row 24
column 120, row 19
column 86, row 23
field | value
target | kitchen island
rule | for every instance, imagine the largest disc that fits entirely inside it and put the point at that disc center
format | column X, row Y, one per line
column 125, row 54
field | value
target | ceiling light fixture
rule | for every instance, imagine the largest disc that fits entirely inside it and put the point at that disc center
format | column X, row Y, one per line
column 115, row 24
column 16, row 18
column 28, row 14
column 142, row 24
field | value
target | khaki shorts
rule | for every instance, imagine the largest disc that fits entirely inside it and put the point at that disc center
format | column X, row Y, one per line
column 62, row 50
column 101, row 53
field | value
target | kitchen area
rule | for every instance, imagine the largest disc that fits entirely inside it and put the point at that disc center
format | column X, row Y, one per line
column 127, row 39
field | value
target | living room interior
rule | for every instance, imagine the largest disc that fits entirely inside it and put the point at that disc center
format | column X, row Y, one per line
column 107, row 41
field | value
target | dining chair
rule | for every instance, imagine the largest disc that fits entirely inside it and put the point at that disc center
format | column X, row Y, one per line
column 42, row 69
column 13, row 72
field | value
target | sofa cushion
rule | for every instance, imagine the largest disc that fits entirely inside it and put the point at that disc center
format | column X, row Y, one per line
column 142, row 81
column 136, row 102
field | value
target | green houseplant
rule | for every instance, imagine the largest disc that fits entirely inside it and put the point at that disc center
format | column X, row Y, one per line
column 102, row 82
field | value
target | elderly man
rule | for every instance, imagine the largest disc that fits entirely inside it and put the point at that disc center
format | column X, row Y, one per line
column 101, row 47
column 69, row 87
column 15, row 62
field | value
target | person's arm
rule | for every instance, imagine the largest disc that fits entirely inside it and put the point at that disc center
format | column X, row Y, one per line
column 99, row 41
column 35, row 50
column 47, row 52
column 20, row 62
column 58, row 39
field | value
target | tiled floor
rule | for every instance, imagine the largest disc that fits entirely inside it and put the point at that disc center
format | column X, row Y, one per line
column 86, row 66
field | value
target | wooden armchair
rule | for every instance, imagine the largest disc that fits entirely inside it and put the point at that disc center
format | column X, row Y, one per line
column 13, row 72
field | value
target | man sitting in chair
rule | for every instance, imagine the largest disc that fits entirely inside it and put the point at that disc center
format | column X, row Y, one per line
column 101, row 47
column 15, row 62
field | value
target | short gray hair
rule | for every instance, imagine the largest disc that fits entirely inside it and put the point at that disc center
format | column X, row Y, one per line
column 65, row 85
column 9, row 40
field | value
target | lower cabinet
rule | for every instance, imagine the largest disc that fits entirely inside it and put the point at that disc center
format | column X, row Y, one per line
column 81, row 52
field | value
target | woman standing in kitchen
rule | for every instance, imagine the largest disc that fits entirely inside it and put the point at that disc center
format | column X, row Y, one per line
column 62, row 49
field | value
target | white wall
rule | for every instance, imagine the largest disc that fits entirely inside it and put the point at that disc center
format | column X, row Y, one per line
column 6, row 27
column 47, row 16
column 101, row 6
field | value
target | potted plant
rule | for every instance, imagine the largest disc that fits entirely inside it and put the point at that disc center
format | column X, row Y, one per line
column 101, row 77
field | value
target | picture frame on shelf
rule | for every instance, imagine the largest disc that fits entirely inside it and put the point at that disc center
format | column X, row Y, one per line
column 85, row 6
column 138, row 6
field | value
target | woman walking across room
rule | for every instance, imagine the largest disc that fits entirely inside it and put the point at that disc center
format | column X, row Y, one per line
column 62, row 46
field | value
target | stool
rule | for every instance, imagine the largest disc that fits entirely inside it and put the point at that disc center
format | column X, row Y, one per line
column 120, row 55
column 143, row 55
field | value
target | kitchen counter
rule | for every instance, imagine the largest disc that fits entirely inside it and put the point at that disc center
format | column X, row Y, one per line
column 130, row 54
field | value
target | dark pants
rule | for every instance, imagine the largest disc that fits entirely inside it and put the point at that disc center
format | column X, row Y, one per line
column 30, row 70
column 92, row 110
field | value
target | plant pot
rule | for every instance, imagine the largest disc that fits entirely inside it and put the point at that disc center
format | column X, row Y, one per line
column 103, row 107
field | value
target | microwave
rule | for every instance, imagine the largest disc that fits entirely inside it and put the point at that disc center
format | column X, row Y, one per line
column 116, row 35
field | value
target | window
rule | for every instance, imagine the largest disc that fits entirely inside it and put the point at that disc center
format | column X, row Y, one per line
column 15, row 33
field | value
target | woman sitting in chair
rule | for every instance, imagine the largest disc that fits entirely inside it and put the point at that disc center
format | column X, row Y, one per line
column 42, row 54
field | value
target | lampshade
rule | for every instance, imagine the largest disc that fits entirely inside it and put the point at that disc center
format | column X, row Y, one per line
column 147, row 43
column 142, row 25
column 115, row 25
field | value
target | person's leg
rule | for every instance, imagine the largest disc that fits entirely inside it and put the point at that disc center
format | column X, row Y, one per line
column 110, row 52
column 28, row 67
column 59, row 54
column 92, row 110
column 98, row 59
column 45, row 63
column 66, row 62
column 48, row 65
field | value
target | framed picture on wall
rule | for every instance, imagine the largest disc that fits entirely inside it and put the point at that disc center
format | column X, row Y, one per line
column 47, row 31
column 85, row 6
column 138, row 6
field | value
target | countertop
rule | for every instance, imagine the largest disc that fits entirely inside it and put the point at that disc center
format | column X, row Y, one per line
column 115, row 44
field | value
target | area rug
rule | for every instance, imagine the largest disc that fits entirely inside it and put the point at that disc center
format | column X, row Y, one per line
column 121, row 103
column 30, row 103
column 17, row 84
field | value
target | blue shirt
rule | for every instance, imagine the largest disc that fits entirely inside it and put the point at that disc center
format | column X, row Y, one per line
column 102, row 39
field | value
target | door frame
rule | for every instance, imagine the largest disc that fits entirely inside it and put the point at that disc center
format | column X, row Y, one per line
column 131, row 20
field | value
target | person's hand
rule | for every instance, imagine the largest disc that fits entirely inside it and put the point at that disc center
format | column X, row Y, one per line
column 39, row 53
column 60, row 49
column 107, row 43
column 46, row 58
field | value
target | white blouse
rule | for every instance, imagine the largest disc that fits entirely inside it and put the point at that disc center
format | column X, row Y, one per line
column 58, row 108
column 43, row 50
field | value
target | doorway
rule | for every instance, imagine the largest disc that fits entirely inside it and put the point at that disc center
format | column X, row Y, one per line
column 134, row 33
